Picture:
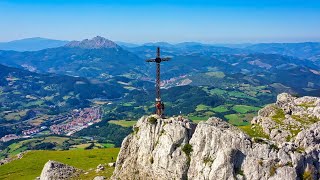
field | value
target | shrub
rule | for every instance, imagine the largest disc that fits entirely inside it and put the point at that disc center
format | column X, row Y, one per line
column 207, row 160
column 152, row 120
column 239, row 171
column 187, row 148
column 135, row 130
column 289, row 164
column 307, row 175
column 273, row 170
column 273, row 146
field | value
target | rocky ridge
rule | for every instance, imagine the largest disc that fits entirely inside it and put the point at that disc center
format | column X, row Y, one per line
column 176, row 148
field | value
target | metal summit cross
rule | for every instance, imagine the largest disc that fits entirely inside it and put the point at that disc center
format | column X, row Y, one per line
column 158, row 104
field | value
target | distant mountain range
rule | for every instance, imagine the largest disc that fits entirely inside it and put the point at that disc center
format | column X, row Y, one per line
column 304, row 50
column 293, row 66
column 31, row 44
column 307, row 50
column 98, row 58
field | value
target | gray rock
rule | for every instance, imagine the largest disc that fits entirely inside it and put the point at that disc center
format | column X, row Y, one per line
column 53, row 170
column 112, row 164
column 99, row 178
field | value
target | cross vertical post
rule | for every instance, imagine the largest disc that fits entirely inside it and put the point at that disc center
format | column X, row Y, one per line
column 159, row 105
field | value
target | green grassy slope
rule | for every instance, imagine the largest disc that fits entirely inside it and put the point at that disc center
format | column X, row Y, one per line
column 30, row 166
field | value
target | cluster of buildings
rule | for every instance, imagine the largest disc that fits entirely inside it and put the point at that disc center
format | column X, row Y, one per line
column 30, row 131
column 9, row 137
column 80, row 119
column 171, row 81
column 63, row 124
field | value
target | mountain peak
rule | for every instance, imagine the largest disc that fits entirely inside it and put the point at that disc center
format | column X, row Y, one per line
column 94, row 43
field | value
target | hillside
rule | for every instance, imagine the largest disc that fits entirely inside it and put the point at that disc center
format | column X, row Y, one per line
column 201, row 65
column 96, row 58
column 24, row 95
column 29, row 167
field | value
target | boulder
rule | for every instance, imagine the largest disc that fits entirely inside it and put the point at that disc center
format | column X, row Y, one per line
column 113, row 164
column 53, row 170
column 100, row 167
column 99, row 178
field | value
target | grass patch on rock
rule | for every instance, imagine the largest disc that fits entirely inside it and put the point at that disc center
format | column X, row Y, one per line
column 279, row 116
column 187, row 149
column 152, row 120
column 254, row 131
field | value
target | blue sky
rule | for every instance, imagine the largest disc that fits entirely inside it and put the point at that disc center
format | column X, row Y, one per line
column 138, row 21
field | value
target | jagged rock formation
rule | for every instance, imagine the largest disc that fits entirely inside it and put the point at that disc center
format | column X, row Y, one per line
column 286, row 118
column 175, row 148
column 94, row 43
column 154, row 150
column 53, row 170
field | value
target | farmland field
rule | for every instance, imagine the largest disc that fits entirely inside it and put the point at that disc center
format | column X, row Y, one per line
column 123, row 123
column 245, row 109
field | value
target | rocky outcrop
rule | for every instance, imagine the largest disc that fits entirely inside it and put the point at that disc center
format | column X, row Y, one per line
column 155, row 150
column 221, row 151
column 175, row 148
column 283, row 120
column 53, row 170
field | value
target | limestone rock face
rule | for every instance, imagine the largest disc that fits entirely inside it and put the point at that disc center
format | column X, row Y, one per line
column 283, row 120
column 175, row 148
column 215, row 145
column 221, row 151
column 154, row 150
column 53, row 170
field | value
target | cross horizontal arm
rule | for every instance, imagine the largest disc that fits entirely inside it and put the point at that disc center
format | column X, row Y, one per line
column 165, row 59
column 151, row 60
